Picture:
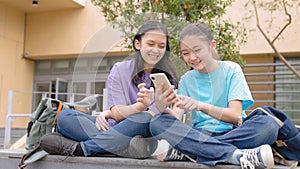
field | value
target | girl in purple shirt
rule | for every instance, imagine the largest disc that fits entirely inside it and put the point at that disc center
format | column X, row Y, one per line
column 81, row 134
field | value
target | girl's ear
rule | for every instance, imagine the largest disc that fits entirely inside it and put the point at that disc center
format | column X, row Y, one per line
column 137, row 44
column 214, row 44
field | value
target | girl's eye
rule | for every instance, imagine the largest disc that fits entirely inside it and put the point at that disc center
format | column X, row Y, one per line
column 197, row 50
column 162, row 46
column 185, row 53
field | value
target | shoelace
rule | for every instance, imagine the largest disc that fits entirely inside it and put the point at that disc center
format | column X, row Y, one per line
column 176, row 155
column 246, row 164
column 251, row 156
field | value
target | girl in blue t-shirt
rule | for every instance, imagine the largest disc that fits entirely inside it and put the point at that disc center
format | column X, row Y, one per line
column 216, row 95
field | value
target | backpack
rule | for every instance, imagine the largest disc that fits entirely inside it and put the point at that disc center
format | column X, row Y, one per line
column 287, row 147
column 43, row 119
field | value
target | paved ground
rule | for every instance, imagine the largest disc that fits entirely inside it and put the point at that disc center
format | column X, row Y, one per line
column 9, row 159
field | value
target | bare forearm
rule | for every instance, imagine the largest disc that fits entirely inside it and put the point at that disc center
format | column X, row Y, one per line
column 229, row 115
column 176, row 112
column 120, row 112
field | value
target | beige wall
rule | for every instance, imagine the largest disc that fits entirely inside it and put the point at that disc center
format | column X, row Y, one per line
column 16, row 73
column 48, row 35
column 68, row 32
column 64, row 32
column 256, row 44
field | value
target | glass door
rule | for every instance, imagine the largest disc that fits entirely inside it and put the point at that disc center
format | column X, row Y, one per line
column 61, row 89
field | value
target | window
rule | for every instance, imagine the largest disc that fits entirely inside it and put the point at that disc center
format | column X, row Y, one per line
column 56, row 78
column 79, row 88
column 61, row 66
column 288, row 88
column 43, row 67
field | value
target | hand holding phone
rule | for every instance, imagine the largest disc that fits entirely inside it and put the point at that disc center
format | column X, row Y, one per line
column 163, row 101
column 158, row 78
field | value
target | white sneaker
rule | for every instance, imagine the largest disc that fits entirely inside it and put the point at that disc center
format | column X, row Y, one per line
column 168, row 153
column 260, row 157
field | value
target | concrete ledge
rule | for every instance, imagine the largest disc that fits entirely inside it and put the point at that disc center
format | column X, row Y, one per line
column 10, row 159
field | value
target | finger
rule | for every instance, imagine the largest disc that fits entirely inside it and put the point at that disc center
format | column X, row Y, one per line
column 176, row 91
column 139, row 99
column 97, row 126
column 151, row 90
column 141, row 85
column 143, row 95
column 102, row 121
column 177, row 104
column 169, row 91
column 180, row 98
column 144, row 90
column 104, row 128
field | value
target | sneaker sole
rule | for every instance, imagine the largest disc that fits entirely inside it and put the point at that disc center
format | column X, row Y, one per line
column 267, row 156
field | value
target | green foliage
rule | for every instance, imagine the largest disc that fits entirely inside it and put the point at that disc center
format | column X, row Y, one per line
column 128, row 15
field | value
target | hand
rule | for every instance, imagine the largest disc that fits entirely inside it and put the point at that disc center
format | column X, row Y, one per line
column 189, row 104
column 145, row 96
column 164, row 99
column 101, row 120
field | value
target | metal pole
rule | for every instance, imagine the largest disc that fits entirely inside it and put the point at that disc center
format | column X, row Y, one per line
column 7, row 135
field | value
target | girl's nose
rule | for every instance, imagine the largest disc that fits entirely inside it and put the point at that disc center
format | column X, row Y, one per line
column 193, row 56
column 155, row 49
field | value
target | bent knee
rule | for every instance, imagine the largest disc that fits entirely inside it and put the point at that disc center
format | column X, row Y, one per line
column 142, row 117
column 159, row 124
column 64, row 115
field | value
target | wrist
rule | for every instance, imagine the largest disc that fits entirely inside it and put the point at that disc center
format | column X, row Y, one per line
column 200, row 106
column 138, row 106
column 167, row 110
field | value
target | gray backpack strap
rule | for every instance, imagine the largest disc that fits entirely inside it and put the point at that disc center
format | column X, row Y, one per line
column 32, row 156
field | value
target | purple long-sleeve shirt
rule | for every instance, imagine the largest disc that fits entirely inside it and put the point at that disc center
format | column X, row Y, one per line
column 121, row 90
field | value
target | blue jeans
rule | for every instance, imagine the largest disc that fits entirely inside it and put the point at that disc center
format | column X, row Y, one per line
column 212, row 148
column 81, row 127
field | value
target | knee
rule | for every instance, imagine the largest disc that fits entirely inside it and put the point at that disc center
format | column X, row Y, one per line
column 159, row 124
column 142, row 117
column 269, row 128
column 63, row 115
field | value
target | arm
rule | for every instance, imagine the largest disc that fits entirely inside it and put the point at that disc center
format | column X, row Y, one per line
column 231, row 114
column 175, row 111
column 167, row 98
column 121, row 112
column 146, row 96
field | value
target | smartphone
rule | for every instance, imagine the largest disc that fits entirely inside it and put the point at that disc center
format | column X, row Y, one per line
column 158, row 78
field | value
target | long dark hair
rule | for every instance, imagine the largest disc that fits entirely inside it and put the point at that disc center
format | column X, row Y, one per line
column 163, row 66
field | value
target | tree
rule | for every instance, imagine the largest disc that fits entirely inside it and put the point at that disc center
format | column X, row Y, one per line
column 128, row 15
column 274, row 7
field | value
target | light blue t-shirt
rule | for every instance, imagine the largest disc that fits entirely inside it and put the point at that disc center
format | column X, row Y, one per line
column 217, row 88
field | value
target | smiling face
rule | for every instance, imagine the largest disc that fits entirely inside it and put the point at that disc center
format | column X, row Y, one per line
column 152, row 47
column 196, row 52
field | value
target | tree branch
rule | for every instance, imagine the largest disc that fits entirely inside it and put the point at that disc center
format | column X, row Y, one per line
column 286, row 25
column 281, row 57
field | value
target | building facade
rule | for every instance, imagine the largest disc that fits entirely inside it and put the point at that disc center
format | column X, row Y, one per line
column 64, row 49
